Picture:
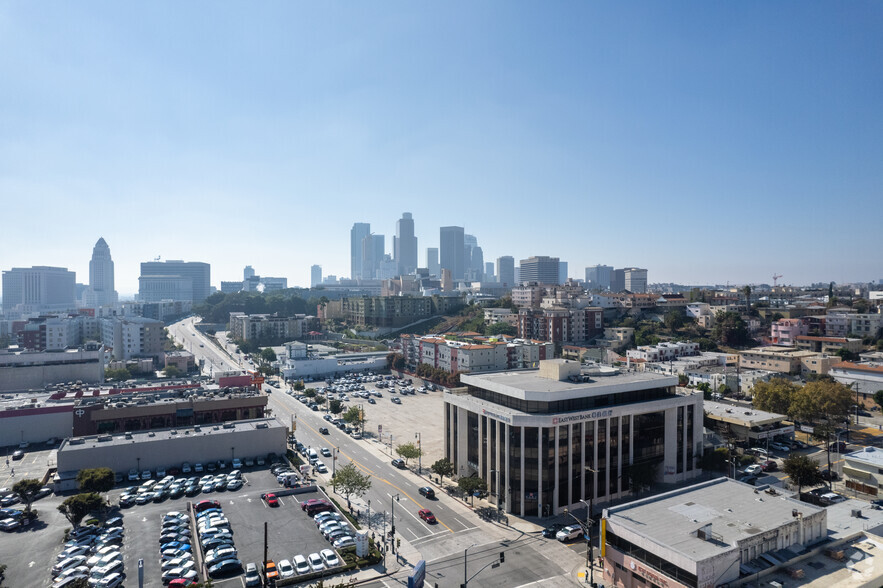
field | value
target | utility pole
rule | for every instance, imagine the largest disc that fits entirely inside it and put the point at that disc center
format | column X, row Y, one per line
column 590, row 523
column 465, row 574
column 393, row 500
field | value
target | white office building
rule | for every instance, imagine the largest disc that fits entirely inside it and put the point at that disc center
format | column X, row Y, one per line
column 532, row 435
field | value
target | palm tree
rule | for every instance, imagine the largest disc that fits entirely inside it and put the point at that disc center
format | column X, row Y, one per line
column 747, row 292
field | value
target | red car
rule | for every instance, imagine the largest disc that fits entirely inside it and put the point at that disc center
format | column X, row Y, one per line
column 181, row 583
column 769, row 466
column 271, row 499
column 427, row 515
column 204, row 504
column 312, row 501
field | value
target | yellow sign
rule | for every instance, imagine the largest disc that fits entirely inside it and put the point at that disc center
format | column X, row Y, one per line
column 603, row 537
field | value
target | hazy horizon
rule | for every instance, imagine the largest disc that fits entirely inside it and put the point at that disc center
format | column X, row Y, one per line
column 706, row 142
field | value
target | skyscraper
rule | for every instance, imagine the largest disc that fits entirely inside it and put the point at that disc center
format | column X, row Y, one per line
column 174, row 280
column 562, row 272
column 101, row 282
column 405, row 245
column 506, row 270
column 540, row 268
column 489, row 271
column 432, row 261
column 452, row 251
column 357, row 239
column 247, row 273
column 635, row 280
column 599, row 276
column 373, row 249
column 315, row 275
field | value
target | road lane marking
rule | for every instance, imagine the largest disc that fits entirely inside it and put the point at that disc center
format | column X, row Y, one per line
column 366, row 469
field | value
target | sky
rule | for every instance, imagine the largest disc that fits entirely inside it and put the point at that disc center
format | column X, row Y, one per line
column 709, row 142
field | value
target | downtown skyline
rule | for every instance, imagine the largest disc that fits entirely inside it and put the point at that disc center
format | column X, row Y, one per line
column 706, row 143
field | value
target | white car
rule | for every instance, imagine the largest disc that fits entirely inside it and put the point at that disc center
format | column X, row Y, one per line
column 252, row 577
column 316, row 563
column 286, row 570
column 174, row 573
column 568, row 533
column 178, row 562
column 301, row 565
column 71, row 562
column 72, row 551
column 330, row 558
column 754, row 470
column 110, row 581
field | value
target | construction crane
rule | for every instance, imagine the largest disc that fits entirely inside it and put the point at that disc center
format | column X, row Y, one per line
column 776, row 279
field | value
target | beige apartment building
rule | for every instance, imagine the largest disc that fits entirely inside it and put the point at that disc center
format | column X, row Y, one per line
column 784, row 360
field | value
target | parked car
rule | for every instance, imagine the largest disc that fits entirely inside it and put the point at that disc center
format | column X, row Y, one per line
column 753, row 470
column 399, row 463
column 838, row 447
column 829, row 475
column 552, row 530
column 252, row 577
column 427, row 492
column 301, row 565
column 769, row 466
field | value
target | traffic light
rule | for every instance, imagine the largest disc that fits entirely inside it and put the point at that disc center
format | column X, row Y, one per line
column 502, row 556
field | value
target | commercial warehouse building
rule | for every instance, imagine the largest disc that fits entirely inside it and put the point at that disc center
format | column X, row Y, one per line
column 708, row 535
column 170, row 447
column 534, row 434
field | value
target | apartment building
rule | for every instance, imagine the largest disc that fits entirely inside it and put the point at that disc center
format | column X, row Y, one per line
column 247, row 327
column 560, row 325
column 475, row 354
column 528, row 295
column 828, row 344
column 783, row 360
column 786, row 331
column 132, row 337
column 666, row 351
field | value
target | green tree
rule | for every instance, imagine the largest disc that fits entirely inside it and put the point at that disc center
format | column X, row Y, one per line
column 501, row 329
column 442, row 468
column 746, row 290
column 27, row 490
column 310, row 392
column 95, row 480
column 775, row 395
column 408, row 451
column 802, row 470
column 471, row 485
column 878, row 398
column 674, row 319
column 350, row 481
column 298, row 385
column 78, row 506
column 268, row 355
column 730, row 329
column 355, row 416
column 171, row 371
column 119, row 375
column 335, row 406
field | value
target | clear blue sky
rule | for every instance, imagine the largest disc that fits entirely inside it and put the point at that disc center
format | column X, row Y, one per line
column 706, row 141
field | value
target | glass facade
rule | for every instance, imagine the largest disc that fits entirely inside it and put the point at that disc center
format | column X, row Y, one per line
column 576, row 471
column 614, row 456
column 564, row 473
column 531, row 471
column 515, row 494
column 573, row 404
column 690, row 457
column 680, row 429
column 602, row 458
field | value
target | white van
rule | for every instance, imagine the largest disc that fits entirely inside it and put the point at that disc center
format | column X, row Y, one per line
column 312, row 456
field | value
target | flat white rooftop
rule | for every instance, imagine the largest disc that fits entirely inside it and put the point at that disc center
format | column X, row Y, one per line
column 732, row 413
column 529, row 385
column 734, row 510
column 868, row 455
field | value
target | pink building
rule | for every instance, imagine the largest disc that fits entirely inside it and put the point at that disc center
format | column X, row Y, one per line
column 786, row 331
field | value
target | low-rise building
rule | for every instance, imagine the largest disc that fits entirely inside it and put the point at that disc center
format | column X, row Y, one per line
column 665, row 351
column 560, row 325
column 183, row 360
column 493, row 316
column 866, row 378
column 863, row 470
column 473, row 353
column 829, row 345
column 25, row 370
column 746, row 424
column 709, row 534
column 784, row 360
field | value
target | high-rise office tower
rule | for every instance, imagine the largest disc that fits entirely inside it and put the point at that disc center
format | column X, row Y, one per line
column 506, row 270
column 174, row 280
column 373, row 249
column 635, row 280
column 617, row 280
column 432, row 261
column 405, row 245
column 452, row 251
column 315, row 275
column 247, row 273
column 357, row 240
column 101, row 282
column 599, row 276
column 540, row 268
column 38, row 288
column 489, row 271
column 562, row 272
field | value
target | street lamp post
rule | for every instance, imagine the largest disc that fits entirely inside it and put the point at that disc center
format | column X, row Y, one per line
column 465, row 573
column 369, row 514
column 419, row 457
column 590, row 555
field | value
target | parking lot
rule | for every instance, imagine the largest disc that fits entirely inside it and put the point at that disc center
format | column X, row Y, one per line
column 393, row 424
column 31, row 551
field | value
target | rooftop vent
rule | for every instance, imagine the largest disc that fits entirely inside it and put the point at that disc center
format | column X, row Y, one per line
column 128, row 435
column 105, row 438
column 151, row 434
column 262, row 426
column 229, row 426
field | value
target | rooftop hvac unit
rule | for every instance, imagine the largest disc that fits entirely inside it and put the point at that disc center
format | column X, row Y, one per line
column 262, row 426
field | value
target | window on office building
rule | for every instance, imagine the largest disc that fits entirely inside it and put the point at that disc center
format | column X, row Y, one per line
column 602, row 458
column 515, row 477
column 563, row 466
column 576, row 472
column 531, row 472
